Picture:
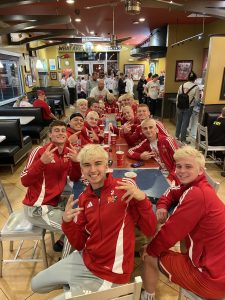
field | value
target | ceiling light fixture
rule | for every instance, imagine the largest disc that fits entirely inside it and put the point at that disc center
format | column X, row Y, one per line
column 133, row 7
column 141, row 19
column 135, row 22
column 78, row 20
column 70, row 1
column 92, row 32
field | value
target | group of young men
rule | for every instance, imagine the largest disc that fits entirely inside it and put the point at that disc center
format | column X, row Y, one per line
column 100, row 223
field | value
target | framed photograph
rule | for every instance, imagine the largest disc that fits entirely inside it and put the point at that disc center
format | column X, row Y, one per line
column 52, row 64
column 183, row 69
column 53, row 75
column 222, row 92
column 135, row 70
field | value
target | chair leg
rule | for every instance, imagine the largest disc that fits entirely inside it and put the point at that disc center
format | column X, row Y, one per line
column 52, row 238
column 11, row 246
column 44, row 253
column 179, row 295
column 1, row 258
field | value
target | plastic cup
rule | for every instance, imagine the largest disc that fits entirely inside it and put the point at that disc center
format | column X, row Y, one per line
column 106, row 137
column 131, row 175
column 102, row 126
column 106, row 147
column 120, row 158
column 113, row 138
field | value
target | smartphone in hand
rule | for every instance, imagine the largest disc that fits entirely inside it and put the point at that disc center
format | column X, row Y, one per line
column 138, row 164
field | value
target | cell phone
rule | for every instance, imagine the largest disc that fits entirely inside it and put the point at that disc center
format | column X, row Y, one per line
column 138, row 164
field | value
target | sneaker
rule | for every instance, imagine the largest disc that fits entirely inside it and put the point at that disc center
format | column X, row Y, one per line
column 58, row 246
column 146, row 296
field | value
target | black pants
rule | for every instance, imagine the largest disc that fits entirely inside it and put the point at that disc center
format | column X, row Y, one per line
column 72, row 92
column 152, row 105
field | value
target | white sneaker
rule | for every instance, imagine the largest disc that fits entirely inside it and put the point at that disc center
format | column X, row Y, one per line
column 146, row 296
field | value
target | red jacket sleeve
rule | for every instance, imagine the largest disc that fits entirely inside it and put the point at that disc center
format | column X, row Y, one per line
column 144, row 216
column 75, row 171
column 133, row 138
column 33, row 169
column 136, row 151
column 182, row 221
column 75, row 232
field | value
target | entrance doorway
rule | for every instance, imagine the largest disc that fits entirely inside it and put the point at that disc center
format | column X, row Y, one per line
column 86, row 67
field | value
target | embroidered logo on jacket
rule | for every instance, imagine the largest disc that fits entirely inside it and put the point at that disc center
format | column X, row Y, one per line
column 89, row 204
column 112, row 198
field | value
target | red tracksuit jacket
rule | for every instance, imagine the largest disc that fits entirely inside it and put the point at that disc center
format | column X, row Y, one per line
column 46, row 182
column 105, row 231
column 199, row 218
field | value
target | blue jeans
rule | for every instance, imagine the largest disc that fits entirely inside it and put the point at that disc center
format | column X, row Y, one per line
column 183, row 118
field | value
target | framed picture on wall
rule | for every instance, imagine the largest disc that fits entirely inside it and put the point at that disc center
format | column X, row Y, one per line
column 29, row 80
column 53, row 75
column 222, row 92
column 183, row 69
column 135, row 70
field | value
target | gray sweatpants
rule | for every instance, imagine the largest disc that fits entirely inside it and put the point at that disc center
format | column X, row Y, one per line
column 51, row 219
column 69, row 271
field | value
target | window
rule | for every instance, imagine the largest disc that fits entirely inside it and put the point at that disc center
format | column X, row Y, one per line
column 10, row 79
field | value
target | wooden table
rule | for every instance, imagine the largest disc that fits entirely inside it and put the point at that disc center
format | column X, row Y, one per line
column 150, row 164
column 24, row 120
column 2, row 138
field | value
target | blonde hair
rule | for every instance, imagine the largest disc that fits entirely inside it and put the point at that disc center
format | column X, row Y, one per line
column 92, row 114
column 81, row 101
column 90, row 152
column 127, row 107
column 120, row 99
column 148, row 120
column 110, row 96
column 189, row 151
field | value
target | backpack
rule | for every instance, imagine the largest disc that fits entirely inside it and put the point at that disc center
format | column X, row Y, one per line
column 183, row 98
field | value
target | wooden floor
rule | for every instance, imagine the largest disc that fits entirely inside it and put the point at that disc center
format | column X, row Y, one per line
column 15, row 284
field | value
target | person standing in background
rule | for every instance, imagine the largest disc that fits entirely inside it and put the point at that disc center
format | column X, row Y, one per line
column 129, row 89
column 152, row 90
column 71, row 84
column 140, row 88
column 91, row 83
column 121, row 84
column 65, row 89
column 184, row 115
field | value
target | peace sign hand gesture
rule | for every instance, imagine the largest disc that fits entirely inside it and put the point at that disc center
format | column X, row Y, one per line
column 48, row 156
column 70, row 212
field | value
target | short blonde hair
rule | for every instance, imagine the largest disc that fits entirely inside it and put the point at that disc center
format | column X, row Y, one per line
column 120, row 99
column 148, row 120
column 81, row 101
column 92, row 114
column 189, row 151
column 90, row 152
column 110, row 96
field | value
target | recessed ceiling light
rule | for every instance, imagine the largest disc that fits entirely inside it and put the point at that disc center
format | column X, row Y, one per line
column 78, row 20
column 70, row 1
column 51, row 42
column 141, row 19
column 135, row 22
column 92, row 32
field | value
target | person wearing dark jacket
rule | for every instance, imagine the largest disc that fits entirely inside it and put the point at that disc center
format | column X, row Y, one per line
column 140, row 89
column 121, row 84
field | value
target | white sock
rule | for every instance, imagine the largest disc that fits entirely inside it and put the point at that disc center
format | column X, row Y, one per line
column 147, row 296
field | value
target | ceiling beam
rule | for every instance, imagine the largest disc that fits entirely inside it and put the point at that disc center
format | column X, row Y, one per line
column 44, row 36
column 48, row 45
column 46, row 21
column 6, row 3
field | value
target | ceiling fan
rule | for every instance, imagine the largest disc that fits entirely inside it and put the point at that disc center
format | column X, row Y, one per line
column 113, row 39
column 134, row 6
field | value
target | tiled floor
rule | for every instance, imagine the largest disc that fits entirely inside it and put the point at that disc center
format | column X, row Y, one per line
column 15, row 283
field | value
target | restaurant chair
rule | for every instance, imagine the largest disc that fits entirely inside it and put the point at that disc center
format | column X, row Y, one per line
column 129, row 291
column 202, row 143
column 212, row 182
column 18, row 228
